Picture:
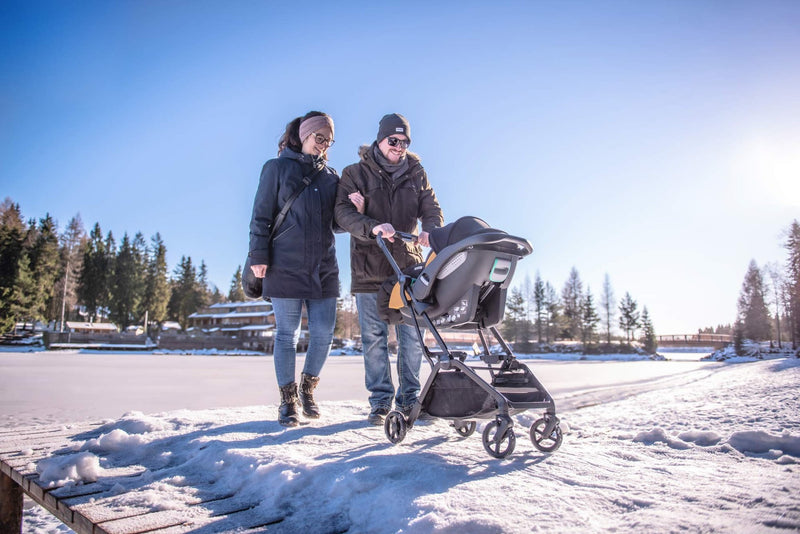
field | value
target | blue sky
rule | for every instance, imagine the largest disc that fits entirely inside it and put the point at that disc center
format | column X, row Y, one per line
column 657, row 142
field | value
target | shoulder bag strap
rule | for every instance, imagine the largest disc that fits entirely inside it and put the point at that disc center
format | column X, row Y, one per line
column 285, row 209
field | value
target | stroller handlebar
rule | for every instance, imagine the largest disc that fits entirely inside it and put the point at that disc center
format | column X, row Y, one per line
column 382, row 244
column 405, row 236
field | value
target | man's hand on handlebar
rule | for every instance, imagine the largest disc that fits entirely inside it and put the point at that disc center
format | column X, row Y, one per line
column 385, row 230
column 424, row 239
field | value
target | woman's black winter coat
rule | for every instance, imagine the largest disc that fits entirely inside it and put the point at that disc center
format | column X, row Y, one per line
column 302, row 257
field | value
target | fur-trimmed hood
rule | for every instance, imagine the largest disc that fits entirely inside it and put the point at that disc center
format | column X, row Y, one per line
column 365, row 154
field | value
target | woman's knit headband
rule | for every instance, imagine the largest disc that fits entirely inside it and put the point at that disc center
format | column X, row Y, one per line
column 312, row 124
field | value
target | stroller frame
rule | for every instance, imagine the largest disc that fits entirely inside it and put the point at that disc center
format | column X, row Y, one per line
column 511, row 387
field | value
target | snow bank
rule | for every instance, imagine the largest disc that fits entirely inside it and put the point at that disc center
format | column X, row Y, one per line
column 660, row 435
column 760, row 442
column 752, row 351
column 77, row 468
column 754, row 441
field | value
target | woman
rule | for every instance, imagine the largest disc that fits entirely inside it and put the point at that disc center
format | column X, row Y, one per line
column 299, row 264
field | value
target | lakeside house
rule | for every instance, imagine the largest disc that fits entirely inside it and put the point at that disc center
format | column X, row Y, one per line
column 79, row 327
column 252, row 322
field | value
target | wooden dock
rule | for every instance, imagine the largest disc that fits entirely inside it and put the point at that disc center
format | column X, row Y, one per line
column 89, row 507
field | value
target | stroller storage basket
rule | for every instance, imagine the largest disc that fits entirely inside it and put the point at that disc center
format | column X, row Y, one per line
column 453, row 394
column 519, row 387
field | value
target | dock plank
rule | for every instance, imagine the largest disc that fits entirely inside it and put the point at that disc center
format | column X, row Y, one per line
column 80, row 506
column 116, row 503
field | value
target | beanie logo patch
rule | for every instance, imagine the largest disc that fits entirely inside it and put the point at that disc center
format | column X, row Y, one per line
column 400, row 129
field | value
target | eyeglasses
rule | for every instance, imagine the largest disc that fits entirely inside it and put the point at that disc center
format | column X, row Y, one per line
column 322, row 140
column 394, row 141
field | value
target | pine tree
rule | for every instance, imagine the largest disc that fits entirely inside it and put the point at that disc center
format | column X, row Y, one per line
column 629, row 316
column 140, row 261
column 21, row 298
column 650, row 340
column 12, row 237
column 776, row 277
column 753, row 312
column 785, row 292
column 44, row 266
column 94, row 277
column 792, row 246
column 157, row 287
column 73, row 242
column 110, row 261
column 738, row 338
column 204, row 291
column 589, row 318
column 216, row 296
column 607, row 309
column 127, row 285
column 236, row 293
column 540, row 307
column 528, row 290
column 187, row 296
column 515, row 316
column 571, row 296
column 554, row 318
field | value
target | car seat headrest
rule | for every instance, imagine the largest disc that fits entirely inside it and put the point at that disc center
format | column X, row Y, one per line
column 456, row 231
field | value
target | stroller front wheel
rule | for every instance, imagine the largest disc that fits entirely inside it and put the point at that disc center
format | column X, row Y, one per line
column 395, row 427
column 498, row 446
column 547, row 443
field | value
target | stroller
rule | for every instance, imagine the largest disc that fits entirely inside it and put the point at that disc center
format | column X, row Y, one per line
column 463, row 286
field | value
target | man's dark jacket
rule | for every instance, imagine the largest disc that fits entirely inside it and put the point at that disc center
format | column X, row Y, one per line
column 402, row 202
column 301, row 257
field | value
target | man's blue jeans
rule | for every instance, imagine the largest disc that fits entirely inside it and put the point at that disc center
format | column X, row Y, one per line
column 377, row 368
column 321, row 321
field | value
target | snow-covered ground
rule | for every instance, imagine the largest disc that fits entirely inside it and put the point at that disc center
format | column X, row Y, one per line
column 649, row 446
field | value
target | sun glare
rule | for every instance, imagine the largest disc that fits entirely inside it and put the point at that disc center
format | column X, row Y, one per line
column 772, row 168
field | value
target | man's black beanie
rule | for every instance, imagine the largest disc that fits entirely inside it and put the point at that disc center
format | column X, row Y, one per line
column 392, row 124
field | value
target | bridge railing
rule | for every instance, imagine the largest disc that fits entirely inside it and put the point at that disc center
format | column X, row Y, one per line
column 696, row 338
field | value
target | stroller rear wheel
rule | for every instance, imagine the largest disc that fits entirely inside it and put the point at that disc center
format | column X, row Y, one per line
column 465, row 428
column 498, row 446
column 550, row 442
column 395, row 427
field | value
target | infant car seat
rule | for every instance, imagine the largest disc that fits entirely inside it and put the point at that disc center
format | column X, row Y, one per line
column 465, row 279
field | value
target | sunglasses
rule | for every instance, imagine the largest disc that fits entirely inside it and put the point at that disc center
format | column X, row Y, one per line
column 322, row 140
column 394, row 141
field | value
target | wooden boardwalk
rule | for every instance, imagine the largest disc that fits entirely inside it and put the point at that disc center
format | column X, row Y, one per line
column 89, row 508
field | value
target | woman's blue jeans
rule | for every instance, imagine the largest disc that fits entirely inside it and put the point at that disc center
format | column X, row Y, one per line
column 377, row 368
column 321, row 322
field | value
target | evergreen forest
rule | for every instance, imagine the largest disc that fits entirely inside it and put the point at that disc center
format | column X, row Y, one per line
column 51, row 276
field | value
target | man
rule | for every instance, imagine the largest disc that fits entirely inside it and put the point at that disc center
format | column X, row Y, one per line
column 387, row 191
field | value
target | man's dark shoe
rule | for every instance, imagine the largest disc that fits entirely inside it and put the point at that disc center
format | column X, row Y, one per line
column 376, row 416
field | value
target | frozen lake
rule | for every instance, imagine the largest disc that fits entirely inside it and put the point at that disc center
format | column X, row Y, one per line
column 60, row 387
